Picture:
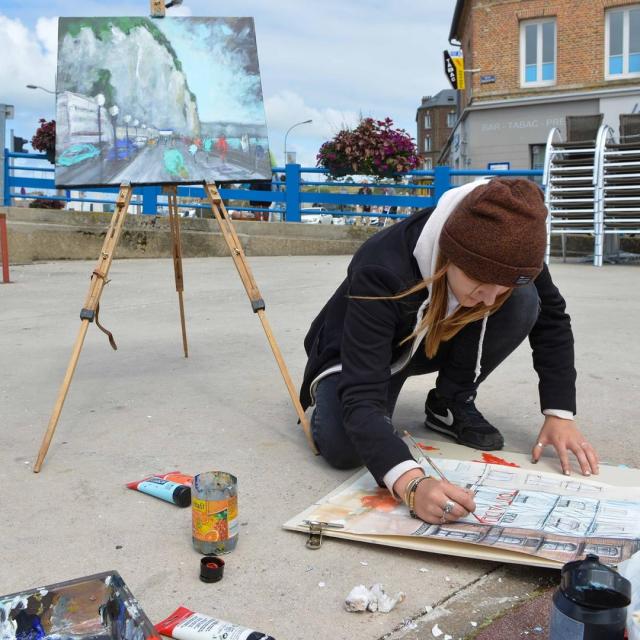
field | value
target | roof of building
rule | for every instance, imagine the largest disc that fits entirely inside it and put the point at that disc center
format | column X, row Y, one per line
column 457, row 12
column 444, row 98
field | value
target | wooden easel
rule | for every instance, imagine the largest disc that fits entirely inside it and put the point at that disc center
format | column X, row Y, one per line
column 91, row 307
column 176, row 251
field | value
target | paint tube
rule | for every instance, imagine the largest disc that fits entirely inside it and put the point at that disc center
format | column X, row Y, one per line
column 174, row 487
column 184, row 624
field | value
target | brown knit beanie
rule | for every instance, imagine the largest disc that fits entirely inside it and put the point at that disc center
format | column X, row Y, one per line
column 497, row 234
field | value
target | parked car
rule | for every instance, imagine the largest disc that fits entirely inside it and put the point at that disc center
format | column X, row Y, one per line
column 77, row 153
column 123, row 150
column 316, row 215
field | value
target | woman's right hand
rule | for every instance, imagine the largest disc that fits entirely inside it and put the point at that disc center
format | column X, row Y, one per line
column 433, row 497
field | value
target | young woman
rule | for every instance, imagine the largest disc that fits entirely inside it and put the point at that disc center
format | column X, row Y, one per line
column 453, row 290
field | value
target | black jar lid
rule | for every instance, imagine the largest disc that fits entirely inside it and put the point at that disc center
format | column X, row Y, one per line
column 592, row 584
column 211, row 569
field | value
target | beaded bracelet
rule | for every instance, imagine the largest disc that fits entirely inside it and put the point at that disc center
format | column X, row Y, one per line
column 410, row 494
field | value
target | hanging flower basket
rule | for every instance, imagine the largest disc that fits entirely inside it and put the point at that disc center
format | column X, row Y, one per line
column 45, row 139
column 373, row 148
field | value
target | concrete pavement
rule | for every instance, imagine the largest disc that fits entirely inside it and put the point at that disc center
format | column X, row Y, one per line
column 146, row 409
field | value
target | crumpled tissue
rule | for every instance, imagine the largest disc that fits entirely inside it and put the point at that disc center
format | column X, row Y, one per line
column 373, row 599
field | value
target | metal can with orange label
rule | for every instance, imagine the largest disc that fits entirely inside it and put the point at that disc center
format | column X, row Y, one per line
column 214, row 508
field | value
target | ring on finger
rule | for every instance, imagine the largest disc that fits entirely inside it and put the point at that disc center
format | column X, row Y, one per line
column 540, row 445
column 448, row 507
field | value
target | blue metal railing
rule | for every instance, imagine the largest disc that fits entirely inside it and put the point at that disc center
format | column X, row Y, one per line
column 290, row 198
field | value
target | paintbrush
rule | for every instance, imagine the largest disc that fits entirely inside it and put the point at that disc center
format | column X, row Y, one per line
column 434, row 466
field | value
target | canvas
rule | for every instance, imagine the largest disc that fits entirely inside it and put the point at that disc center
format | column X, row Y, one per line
column 159, row 101
column 527, row 514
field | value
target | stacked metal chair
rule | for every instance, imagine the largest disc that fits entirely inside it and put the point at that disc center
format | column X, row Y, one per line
column 619, row 183
column 571, row 181
column 592, row 183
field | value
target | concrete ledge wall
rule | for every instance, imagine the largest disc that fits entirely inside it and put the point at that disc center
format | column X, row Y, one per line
column 42, row 234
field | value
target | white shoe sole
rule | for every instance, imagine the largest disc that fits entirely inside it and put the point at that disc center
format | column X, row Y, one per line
column 442, row 430
column 439, row 429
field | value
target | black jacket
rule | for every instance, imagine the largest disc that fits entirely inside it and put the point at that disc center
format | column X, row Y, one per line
column 364, row 336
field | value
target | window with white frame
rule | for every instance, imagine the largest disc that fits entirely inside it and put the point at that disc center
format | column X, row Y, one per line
column 538, row 52
column 427, row 120
column 622, row 43
column 427, row 143
column 428, row 164
column 451, row 119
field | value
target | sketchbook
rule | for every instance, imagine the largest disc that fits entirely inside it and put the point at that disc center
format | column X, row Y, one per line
column 531, row 514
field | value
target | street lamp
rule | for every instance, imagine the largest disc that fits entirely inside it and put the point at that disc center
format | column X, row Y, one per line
column 136, row 122
column 286, row 134
column 100, row 99
column 127, row 120
column 35, row 86
column 113, row 112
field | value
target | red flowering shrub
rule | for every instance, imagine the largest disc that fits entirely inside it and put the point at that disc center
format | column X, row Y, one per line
column 45, row 137
column 373, row 148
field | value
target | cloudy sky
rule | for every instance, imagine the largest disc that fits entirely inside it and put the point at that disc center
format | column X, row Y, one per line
column 326, row 60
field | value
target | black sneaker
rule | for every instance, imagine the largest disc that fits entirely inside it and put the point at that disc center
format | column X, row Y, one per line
column 461, row 420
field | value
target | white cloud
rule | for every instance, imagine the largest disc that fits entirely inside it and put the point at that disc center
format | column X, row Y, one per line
column 47, row 33
column 179, row 11
column 32, row 61
column 286, row 108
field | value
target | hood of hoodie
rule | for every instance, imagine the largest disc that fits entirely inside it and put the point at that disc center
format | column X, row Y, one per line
column 426, row 250
column 426, row 254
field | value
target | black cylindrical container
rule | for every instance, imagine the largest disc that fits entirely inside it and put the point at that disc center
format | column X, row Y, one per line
column 591, row 602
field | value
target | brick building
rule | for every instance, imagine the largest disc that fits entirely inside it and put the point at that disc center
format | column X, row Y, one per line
column 435, row 119
column 532, row 63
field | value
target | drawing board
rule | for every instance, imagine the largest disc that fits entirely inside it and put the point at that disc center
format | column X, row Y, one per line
column 531, row 513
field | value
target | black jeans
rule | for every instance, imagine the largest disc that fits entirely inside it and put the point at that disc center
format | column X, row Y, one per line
column 455, row 363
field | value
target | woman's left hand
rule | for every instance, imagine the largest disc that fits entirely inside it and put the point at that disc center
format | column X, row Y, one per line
column 565, row 436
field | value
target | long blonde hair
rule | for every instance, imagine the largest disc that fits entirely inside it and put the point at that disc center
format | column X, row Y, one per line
column 440, row 327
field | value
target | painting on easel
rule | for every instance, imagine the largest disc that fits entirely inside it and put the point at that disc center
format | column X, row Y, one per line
column 176, row 100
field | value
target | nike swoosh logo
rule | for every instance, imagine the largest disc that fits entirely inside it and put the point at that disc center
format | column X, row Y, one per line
column 448, row 419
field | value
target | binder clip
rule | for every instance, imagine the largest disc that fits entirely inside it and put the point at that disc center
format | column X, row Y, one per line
column 316, row 529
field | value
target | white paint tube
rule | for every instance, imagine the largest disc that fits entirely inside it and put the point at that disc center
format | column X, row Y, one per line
column 184, row 624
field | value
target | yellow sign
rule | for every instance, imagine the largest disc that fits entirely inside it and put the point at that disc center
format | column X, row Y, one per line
column 454, row 69
column 458, row 63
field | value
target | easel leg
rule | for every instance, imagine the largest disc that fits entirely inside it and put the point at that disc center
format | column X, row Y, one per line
column 257, row 303
column 87, row 315
column 176, row 248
